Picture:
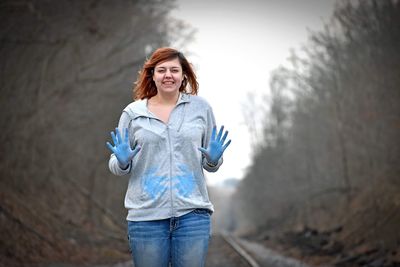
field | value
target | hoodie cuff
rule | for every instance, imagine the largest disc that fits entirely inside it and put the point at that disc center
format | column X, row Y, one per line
column 116, row 169
column 210, row 167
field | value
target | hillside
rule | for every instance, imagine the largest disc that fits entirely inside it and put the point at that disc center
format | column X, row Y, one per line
column 366, row 231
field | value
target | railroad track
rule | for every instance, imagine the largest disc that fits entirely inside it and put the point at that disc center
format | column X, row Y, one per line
column 225, row 251
column 239, row 249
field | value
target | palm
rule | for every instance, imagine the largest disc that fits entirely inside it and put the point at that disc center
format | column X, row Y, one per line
column 123, row 152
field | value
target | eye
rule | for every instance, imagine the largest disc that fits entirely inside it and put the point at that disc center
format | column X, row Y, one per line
column 160, row 70
column 175, row 70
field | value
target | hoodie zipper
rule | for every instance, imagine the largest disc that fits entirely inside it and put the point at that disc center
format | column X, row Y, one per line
column 170, row 155
column 170, row 152
column 171, row 149
column 170, row 171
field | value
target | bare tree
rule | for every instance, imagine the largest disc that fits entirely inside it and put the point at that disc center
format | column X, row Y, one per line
column 337, row 140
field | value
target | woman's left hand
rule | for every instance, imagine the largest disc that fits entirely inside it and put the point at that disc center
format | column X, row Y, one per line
column 216, row 146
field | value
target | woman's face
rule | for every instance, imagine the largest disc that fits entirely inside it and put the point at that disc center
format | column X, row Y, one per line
column 168, row 76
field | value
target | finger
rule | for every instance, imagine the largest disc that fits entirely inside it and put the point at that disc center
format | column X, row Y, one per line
column 225, row 146
column 204, row 151
column 126, row 135
column 224, row 137
column 119, row 138
column 110, row 147
column 114, row 138
column 136, row 150
column 220, row 132
column 214, row 130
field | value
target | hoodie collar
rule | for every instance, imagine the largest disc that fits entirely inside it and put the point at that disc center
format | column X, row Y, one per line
column 183, row 98
column 142, row 110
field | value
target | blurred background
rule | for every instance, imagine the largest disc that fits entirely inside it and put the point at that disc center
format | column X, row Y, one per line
column 309, row 90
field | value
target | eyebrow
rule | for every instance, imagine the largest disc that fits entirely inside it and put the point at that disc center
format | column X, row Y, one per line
column 174, row 67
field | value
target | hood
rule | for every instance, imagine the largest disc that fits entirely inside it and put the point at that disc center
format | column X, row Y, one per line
column 139, row 108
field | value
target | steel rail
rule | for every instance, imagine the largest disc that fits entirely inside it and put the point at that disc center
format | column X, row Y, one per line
column 235, row 245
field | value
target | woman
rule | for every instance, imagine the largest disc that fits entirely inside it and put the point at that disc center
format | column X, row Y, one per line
column 164, row 140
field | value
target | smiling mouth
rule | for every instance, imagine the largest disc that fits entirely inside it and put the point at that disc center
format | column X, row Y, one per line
column 168, row 83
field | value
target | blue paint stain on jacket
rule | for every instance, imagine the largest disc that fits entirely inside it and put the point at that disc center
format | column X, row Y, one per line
column 154, row 185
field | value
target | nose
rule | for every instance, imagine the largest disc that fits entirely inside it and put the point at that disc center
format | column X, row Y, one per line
column 168, row 73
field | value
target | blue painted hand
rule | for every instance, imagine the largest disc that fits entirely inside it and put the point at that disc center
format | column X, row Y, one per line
column 216, row 147
column 122, row 149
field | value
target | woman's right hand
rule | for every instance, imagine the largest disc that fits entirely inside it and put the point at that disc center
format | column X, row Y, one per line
column 122, row 149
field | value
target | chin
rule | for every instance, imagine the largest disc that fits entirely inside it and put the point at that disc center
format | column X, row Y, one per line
column 170, row 90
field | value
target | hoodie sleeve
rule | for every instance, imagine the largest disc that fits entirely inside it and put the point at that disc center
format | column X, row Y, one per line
column 210, row 123
column 113, row 165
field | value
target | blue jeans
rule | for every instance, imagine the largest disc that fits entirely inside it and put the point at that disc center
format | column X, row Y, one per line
column 181, row 241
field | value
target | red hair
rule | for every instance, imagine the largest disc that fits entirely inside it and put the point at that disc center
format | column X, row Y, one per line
column 145, row 86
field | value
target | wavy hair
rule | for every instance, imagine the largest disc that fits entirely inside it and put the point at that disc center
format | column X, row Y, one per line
column 145, row 86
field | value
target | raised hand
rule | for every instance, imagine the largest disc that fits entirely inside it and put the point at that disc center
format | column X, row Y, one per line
column 216, row 147
column 122, row 149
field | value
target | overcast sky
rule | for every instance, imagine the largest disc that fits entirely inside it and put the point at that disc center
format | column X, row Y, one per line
column 237, row 45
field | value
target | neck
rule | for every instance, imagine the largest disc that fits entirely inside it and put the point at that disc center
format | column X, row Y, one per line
column 166, row 99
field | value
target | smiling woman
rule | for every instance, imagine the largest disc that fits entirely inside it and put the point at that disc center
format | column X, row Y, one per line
column 155, row 69
column 170, row 136
column 168, row 76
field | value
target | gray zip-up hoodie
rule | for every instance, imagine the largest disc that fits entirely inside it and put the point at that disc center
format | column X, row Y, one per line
column 166, row 176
